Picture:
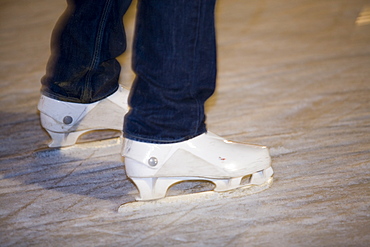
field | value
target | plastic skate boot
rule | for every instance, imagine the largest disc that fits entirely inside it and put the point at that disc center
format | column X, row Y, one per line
column 66, row 121
column 155, row 167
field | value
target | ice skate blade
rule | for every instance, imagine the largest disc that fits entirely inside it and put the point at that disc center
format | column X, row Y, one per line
column 64, row 139
column 82, row 150
column 67, row 139
column 186, row 202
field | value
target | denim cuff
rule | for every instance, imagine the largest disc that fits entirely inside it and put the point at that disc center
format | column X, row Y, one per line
column 159, row 140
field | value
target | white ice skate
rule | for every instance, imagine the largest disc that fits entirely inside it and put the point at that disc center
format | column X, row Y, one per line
column 155, row 167
column 66, row 122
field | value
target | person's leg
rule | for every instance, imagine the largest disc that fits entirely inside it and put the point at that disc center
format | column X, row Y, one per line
column 166, row 137
column 85, row 43
column 80, row 91
column 175, row 65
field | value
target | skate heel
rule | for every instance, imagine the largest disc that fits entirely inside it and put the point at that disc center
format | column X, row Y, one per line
column 64, row 139
column 67, row 121
column 153, row 188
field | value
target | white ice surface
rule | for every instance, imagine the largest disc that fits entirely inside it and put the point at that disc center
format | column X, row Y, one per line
column 294, row 75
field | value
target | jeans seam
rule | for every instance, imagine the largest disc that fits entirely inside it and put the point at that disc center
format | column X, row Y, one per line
column 97, row 49
column 195, row 67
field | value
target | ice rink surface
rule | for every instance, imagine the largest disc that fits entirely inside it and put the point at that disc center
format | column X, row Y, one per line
column 294, row 75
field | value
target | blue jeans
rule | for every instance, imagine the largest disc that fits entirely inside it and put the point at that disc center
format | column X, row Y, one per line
column 174, row 59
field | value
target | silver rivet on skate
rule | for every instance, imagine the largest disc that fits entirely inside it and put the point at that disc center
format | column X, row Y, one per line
column 153, row 161
column 67, row 120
